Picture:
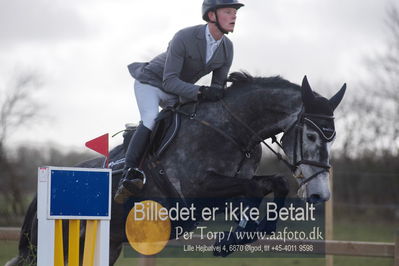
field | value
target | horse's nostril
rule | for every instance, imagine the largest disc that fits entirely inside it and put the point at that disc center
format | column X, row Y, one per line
column 314, row 198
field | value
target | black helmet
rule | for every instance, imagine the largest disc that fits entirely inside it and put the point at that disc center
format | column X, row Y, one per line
column 209, row 5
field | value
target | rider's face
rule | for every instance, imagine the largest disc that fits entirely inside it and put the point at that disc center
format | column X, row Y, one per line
column 227, row 18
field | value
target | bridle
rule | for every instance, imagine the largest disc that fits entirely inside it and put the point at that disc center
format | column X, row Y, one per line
column 298, row 126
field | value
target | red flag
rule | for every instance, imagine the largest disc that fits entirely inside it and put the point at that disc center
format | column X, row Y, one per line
column 99, row 145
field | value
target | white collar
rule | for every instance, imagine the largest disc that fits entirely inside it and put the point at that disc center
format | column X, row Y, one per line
column 209, row 37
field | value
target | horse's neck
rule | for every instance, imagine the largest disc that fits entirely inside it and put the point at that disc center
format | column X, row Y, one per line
column 267, row 112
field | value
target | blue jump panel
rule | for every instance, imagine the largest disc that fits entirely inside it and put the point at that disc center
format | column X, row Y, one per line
column 79, row 193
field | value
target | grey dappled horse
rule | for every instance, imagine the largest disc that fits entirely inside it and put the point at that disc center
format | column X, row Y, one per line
column 220, row 161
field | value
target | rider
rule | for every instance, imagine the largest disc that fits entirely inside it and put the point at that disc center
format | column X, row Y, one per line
column 192, row 53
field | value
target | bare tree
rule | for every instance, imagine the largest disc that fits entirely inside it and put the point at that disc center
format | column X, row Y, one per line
column 372, row 114
column 18, row 109
column 384, row 70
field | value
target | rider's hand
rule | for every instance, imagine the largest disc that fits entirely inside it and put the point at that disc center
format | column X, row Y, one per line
column 212, row 94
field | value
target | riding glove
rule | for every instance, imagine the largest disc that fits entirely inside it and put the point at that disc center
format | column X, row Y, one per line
column 212, row 94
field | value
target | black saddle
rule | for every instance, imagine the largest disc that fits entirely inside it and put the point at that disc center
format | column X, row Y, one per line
column 166, row 128
column 167, row 125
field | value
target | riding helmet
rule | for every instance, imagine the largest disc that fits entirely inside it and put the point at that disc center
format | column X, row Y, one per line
column 209, row 5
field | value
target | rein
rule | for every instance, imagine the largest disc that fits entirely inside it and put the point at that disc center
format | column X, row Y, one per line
column 246, row 151
column 259, row 138
column 303, row 118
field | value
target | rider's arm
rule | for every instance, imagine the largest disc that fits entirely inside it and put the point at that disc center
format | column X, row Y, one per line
column 173, row 66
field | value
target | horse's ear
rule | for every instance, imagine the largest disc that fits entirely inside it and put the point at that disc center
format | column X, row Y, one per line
column 307, row 93
column 337, row 98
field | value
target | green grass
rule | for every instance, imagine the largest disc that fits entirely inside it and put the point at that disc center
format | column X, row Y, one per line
column 227, row 262
column 366, row 230
column 338, row 261
column 355, row 230
column 7, row 250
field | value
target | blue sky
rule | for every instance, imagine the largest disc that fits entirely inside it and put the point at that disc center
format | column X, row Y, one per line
column 80, row 49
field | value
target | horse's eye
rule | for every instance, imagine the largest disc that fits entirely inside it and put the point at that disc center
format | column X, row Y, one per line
column 311, row 137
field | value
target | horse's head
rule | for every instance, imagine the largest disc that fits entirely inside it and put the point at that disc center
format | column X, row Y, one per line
column 307, row 143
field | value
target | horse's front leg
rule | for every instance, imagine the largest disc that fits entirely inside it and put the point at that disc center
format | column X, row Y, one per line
column 117, row 225
column 248, row 193
column 277, row 184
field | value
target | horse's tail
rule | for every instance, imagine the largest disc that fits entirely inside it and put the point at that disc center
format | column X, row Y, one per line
column 27, row 246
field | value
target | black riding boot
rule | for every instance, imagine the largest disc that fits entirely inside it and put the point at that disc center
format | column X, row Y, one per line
column 133, row 179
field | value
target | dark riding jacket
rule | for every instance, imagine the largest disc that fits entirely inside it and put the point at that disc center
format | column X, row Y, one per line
column 184, row 63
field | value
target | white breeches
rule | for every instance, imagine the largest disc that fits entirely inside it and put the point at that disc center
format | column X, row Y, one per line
column 149, row 98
